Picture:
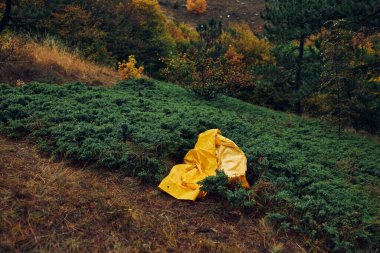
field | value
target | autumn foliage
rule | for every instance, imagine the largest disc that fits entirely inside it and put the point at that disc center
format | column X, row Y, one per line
column 128, row 69
column 196, row 6
column 182, row 33
column 241, row 37
column 238, row 77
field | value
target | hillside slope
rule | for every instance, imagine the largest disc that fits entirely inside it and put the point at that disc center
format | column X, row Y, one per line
column 227, row 11
column 324, row 186
column 24, row 60
column 48, row 206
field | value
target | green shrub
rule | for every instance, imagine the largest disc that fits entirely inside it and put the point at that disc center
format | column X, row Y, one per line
column 234, row 194
column 319, row 184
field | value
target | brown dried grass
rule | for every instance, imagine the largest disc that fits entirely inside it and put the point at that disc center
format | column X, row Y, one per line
column 48, row 206
column 48, row 61
column 52, row 207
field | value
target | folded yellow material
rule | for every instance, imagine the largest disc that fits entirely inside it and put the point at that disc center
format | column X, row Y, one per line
column 212, row 152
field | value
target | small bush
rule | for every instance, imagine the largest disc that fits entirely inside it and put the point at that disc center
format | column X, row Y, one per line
column 196, row 6
column 128, row 69
column 236, row 196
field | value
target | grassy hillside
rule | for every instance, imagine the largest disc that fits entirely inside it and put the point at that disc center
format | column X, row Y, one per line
column 52, row 207
column 24, row 60
column 326, row 186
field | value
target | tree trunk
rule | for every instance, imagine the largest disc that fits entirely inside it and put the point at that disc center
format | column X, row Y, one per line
column 298, row 85
column 7, row 12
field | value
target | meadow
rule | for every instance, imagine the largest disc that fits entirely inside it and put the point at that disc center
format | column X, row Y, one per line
column 325, row 185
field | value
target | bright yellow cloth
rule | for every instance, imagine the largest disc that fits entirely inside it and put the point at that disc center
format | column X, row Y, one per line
column 211, row 152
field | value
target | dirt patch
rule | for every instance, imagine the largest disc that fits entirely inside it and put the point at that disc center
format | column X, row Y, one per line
column 227, row 11
column 52, row 207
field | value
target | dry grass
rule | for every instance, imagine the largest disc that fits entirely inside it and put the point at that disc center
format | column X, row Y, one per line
column 45, row 207
column 52, row 207
column 48, row 61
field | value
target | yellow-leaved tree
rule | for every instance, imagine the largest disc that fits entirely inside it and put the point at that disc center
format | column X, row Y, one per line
column 196, row 6
column 128, row 69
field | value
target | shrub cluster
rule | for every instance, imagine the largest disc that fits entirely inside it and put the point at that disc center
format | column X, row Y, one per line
column 105, row 31
column 219, row 61
column 326, row 185
column 233, row 193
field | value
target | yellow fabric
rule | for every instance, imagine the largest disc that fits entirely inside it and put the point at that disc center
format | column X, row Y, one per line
column 211, row 152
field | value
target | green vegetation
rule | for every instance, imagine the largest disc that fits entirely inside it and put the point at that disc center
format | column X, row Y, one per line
column 316, row 57
column 105, row 31
column 326, row 185
column 232, row 192
column 298, row 20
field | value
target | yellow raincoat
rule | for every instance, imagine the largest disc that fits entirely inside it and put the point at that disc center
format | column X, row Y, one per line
column 211, row 152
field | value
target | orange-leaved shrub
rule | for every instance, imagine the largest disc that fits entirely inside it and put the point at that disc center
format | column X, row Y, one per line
column 128, row 69
column 237, row 75
column 212, row 65
column 196, row 6
column 240, row 36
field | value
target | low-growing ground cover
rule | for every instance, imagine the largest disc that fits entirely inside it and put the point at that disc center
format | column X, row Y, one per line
column 325, row 186
column 53, row 207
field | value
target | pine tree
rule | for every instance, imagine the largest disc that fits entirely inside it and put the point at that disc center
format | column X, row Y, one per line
column 288, row 20
column 293, row 20
column 4, row 19
column 337, row 78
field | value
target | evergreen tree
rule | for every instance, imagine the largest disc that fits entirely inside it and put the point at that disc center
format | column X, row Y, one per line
column 337, row 78
column 5, row 17
column 288, row 20
column 349, row 95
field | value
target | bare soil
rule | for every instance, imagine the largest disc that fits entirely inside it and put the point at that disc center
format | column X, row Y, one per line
column 50, row 206
column 225, row 10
